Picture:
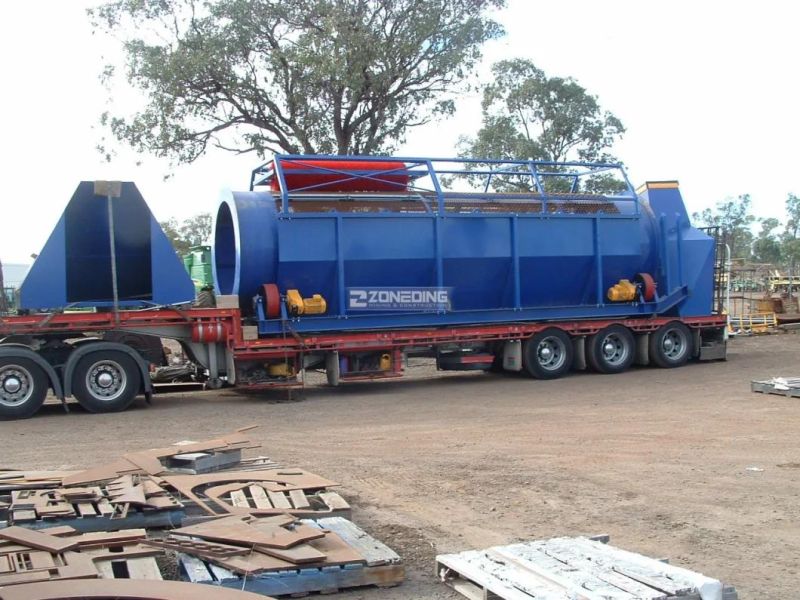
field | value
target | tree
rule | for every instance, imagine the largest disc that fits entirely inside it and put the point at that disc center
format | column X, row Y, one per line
column 530, row 116
column 792, row 230
column 310, row 76
column 734, row 216
column 194, row 231
column 790, row 245
column 767, row 246
column 197, row 229
column 527, row 114
column 791, row 252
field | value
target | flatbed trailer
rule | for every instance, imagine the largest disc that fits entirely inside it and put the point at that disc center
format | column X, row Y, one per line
column 63, row 351
column 542, row 281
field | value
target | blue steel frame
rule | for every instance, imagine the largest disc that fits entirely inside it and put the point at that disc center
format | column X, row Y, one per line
column 434, row 319
column 415, row 168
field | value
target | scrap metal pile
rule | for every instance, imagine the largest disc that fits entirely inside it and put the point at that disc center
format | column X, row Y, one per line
column 247, row 524
column 61, row 553
column 238, row 528
column 162, row 487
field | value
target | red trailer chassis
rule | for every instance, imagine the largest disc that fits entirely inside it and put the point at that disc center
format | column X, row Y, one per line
column 222, row 343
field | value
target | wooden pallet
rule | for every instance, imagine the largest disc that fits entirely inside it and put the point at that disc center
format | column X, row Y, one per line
column 383, row 568
column 768, row 387
column 571, row 568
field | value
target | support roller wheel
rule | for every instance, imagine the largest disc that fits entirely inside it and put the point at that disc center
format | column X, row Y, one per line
column 272, row 300
column 23, row 388
column 671, row 345
column 611, row 350
column 548, row 354
column 106, row 381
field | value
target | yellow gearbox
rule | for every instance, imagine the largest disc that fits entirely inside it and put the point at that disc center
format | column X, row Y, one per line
column 297, row 305
column 624, row 291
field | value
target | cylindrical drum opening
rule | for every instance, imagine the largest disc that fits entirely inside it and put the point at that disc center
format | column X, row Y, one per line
column 245, row 253
column 225, row 251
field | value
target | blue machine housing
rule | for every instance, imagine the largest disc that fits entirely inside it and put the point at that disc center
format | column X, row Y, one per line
column 74, row 267
column 509, row 240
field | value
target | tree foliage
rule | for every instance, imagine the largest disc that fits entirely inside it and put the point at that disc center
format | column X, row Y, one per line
column 770, row 245
column 767, row 247
column 296, row 76
column 735, row 217
column 528, row 115
column 793, row 213
column 194, row 231
column 790, row 244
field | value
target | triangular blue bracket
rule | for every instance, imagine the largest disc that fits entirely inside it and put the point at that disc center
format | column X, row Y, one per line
column 74, row 267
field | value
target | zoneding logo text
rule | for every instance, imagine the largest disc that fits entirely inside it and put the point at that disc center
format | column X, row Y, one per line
column 399, row 298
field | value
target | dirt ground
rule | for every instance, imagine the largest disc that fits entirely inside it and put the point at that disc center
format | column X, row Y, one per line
column 662, row 460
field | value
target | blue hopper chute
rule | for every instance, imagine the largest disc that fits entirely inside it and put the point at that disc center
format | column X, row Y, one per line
column 74, row 267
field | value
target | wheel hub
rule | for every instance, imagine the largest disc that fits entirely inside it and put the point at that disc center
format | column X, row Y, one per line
column 550, row 354
column 674, row 345
column 106, row 380
column 12, row 385
column 16, row 385
column 614, row 349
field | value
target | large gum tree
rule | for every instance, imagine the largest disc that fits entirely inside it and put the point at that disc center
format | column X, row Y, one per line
column 295, row 76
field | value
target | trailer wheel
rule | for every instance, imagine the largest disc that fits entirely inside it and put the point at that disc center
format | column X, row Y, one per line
column 548, row 354
column 670, row 345
column 106, row 381
column 23, row 388
column 611, row 350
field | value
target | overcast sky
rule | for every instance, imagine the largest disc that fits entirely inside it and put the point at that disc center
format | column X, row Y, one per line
column 709, row 92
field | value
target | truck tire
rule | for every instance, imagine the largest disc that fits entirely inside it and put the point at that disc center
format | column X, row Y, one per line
column 548, row 354
column 611, row 350
column 671, row 345
column 23, row 387
column 106, row 381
